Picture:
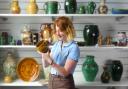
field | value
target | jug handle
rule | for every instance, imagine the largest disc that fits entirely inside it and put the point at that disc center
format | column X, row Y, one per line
column 59, row 6
column 44, row 6
column 94, row 4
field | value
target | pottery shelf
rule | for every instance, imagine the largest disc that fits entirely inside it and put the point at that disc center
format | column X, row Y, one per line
column 82, row 83
column 23, row 83
column 50, row 15
column 81, row 47
column 122, row 82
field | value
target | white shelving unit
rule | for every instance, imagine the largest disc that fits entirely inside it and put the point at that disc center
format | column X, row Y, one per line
column 113, row 22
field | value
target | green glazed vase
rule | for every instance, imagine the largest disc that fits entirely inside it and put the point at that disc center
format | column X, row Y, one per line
column 90, row 34
column 70, row 6
column 89, row 68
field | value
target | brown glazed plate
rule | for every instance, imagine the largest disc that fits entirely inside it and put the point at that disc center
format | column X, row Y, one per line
column 28, row 69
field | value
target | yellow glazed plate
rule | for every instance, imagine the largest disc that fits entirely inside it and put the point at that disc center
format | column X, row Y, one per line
column 28, row 69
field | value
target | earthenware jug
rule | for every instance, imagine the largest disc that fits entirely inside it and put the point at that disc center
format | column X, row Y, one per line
column 32, row 7
column 91, row 7
column 26, row 35
column 90, row 34
column 70, row 6
column 102, row 9
column 15, row 8
column 90, row 68
column 46, row 32
column 105, row 76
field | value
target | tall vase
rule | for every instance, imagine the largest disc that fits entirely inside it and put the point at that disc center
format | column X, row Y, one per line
column 102, row 9
column 89, row 68
column 90, row 34
column 9, row 68
column 117, row 70
column 70, row 6
column 32, row 7
column 15, row 8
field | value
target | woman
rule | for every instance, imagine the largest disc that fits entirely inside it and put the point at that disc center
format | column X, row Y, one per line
column 64, row 55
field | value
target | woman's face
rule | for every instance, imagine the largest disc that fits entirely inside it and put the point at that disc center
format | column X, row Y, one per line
column 61, row 35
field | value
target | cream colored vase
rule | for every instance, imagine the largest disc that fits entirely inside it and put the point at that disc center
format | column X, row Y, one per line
column 15, row 9
column 32, row 7
column 9, row 68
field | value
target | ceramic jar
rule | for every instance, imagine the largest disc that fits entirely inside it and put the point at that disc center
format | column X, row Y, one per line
column 90, row 34
column 46, row 32
column 70, row 6
column 105, row 76
column 121, row 39
column 32, row 7
column 90, row 7
column 51, row 7
column 89, row 68
column 9, row 68
column 116, row 70
column 102, row 9
column 15, row 8
column 26, row 35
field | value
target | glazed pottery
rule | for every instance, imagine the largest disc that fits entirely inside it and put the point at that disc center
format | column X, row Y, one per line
column 26, row 35
column 90, row 7
column 117, row 70
column 51, row 7
column 46, row 32
column 15, row 8
column 90, row 34
column 9, row 68
column 70, row 6
column 89, row 68
column 32, row 7
column 102, row 9
column 105, row 76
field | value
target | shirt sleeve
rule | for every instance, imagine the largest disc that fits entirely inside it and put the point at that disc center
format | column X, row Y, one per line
column 74, row 53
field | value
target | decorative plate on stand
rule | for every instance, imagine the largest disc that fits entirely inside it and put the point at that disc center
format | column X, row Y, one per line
column 28, row 69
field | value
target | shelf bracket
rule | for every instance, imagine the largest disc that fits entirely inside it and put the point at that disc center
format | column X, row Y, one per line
column 3, row 18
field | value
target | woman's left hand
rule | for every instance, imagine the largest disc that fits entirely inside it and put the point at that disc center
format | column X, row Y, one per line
column 46, row 56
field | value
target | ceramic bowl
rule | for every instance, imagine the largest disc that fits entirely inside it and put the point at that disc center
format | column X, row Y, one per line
column 119, row 11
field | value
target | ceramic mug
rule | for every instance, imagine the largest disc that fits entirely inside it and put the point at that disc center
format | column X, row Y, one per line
column 51, row 7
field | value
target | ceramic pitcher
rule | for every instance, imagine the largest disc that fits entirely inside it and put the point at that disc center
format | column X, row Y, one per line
column 15, row 8
column 91, row 7
column 32, row 7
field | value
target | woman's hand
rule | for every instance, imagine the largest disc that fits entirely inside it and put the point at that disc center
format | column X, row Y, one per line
column 46, row 57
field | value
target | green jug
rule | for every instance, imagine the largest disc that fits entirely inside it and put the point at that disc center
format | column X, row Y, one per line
column 91, row 7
